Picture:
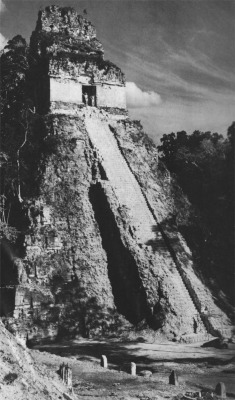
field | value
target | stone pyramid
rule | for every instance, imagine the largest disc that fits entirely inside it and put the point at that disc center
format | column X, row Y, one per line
column 102, row 256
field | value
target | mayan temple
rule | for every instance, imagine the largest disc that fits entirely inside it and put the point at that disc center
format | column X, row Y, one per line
column 100, row 253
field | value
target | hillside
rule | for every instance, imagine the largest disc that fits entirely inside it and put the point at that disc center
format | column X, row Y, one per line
column 23, row 377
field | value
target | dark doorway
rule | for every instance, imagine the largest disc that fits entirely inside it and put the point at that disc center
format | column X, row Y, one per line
column 89, row 95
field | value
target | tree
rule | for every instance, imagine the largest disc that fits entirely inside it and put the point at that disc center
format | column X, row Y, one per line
column 203, row 164
column 6, row 231
column 16, row 111
column 14, row 67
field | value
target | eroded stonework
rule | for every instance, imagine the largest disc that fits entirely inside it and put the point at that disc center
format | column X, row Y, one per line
column 102, row 255
column 63, row 29
column 90, row 72
column 70, row 66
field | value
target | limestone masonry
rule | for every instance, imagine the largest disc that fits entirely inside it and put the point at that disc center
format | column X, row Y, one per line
column 100, row 254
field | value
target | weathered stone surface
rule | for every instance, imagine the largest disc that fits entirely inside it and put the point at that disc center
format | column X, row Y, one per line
column 66, row 21
column 104, row 362
column 63, row 29
column 165, row 199
column 69, row 259
column 220, row 390
column 70, row 63
column 94, row 71
column 133, row 369
column 146, row 373
column 173, row 379
column 102, row 254
column 68, row 396
column 66, row 375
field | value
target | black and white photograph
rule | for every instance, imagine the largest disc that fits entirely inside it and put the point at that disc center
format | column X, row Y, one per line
column 117, row 275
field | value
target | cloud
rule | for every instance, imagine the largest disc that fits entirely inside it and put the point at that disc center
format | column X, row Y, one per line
column 139, row 98
column 197, row 61
column 180, row 72
column 3, row 41
column 174, row 116
column 2, row 7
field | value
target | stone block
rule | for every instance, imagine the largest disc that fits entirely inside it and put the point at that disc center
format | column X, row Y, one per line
column 133, row 369
column 146, row 373
column 173, row 379
column 220, row 390
column 104, row 362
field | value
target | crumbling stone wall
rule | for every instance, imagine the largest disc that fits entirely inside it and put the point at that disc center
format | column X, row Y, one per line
column 63, row 29
column 70, row 56
column 65, row 21
column 85, row 69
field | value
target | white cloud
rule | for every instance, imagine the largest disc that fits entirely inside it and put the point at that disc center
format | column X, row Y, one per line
column 2, row 6
column 174, row 116
column 139, row 98
column 3, row 41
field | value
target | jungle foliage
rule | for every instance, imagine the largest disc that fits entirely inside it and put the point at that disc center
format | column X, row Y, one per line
column 203, row 164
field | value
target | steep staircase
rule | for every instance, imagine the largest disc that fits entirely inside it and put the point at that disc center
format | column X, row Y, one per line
column 123, row 181
column 130, row 195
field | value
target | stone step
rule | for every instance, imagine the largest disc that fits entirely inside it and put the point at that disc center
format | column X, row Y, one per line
column 184, row 295
column 196, row 337
column 123, row 181
column 129, row 193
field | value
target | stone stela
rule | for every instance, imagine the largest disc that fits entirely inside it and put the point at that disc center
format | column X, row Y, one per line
column 65, row 373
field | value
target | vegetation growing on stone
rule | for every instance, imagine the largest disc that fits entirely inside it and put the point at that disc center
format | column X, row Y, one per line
column 203, row 165
column 91, row 260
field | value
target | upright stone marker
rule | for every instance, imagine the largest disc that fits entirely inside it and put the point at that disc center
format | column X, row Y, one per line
column 104, row 362
column 173, row 379
column 220, row 390
column 133, row 369
column 66, row 374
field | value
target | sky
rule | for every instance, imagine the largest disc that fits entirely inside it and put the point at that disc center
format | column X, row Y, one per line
column 178, row 56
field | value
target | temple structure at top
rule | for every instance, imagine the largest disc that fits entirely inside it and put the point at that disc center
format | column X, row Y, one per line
column 70, row 69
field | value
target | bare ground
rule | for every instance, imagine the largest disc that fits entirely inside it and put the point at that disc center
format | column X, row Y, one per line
column 198, row 368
